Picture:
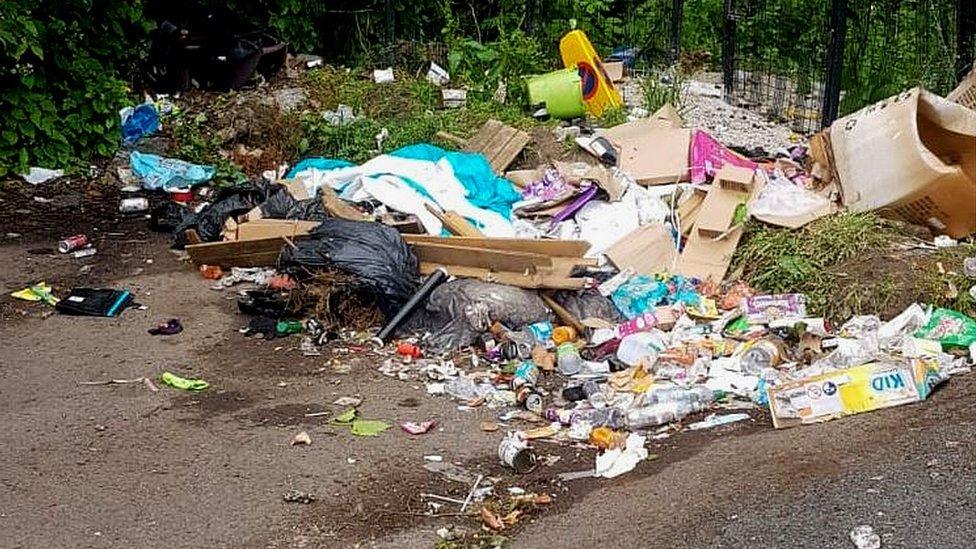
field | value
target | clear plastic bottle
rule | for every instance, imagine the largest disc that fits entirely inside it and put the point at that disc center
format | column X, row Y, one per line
column 641, row 346
column 568, row 359
column 464, row 388
column 660, row 414
column 613, row 418
column 698, row 394
column 670, row 372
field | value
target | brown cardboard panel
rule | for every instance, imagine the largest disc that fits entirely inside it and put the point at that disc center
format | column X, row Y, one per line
column 295, row 188
column 650, row 153
column 647, row 250
column 732, row 187
column 552, row 248
column 688, row 210
column 737, row 179
column 261, row 252
column 669, row 115
column 537, row 280
column 614, row 70
column 266, row 228
column 706, row 258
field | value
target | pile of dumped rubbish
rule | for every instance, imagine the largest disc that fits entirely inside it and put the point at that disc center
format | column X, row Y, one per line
column 588, row 302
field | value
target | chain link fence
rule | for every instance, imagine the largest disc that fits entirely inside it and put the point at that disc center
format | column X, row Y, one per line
column 802, row 63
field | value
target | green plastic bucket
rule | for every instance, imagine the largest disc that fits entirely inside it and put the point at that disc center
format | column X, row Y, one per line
column 559, row 91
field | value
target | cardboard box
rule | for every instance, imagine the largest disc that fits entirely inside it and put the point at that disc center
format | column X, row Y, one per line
column 912, row 156
column 453, row 99
column 852, row 391
column 647, row 250
column 715, row 236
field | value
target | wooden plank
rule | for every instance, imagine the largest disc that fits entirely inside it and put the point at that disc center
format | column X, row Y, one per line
column 507, row 154
column 492, row 260
column 497, row 141
column 538, row 280
column 454, row 222
column 563, row 315
column 479, row 140
column 240, row 253
column 192, row 237
column 552, row 248
column 336, row 207
column 457, row 224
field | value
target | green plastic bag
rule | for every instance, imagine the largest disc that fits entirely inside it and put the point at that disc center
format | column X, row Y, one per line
column 950, row 328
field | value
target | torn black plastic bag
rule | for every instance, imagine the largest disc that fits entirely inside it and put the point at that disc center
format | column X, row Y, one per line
column 588, row 304
column 374, row 253
column 233, row 201
column 459, row 311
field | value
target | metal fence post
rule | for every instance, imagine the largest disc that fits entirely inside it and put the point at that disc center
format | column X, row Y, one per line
column 835, row 62
column 728, row 48
column 677, row 16
column 965, row 36
column 390, row 37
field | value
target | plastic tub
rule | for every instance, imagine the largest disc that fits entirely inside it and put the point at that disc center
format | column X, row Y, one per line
column 560, row 92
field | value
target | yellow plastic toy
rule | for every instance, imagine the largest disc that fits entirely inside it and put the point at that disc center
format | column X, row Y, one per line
column 598, row 90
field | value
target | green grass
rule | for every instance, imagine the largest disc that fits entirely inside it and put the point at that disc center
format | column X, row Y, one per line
column 408, row 108
column 658, row 94
column 846, row 264
column 780, row 260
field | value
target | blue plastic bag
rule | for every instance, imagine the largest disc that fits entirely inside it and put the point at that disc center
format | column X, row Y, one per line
column 484, row 189
column 157, row 172
column 139, row 122
column 642, row 293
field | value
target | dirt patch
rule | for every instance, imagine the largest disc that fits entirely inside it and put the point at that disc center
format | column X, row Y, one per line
column 543, row 148
column 209, row 405
column 886, row 282
column 65, row 207
column 286, row 415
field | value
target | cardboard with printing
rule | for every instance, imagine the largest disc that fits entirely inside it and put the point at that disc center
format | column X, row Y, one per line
column 912, row 156
column 851, row 391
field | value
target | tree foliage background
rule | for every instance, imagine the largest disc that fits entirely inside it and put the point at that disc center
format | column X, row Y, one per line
column 67, row 66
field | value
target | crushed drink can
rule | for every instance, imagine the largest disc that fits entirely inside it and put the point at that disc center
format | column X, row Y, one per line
column 73, row 243
column 134, row 205
column 526, row 374
column 84, row 252
column 533, row 403
column 514, row 452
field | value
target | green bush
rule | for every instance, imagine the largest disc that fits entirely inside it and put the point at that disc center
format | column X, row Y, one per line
column 61, row 67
